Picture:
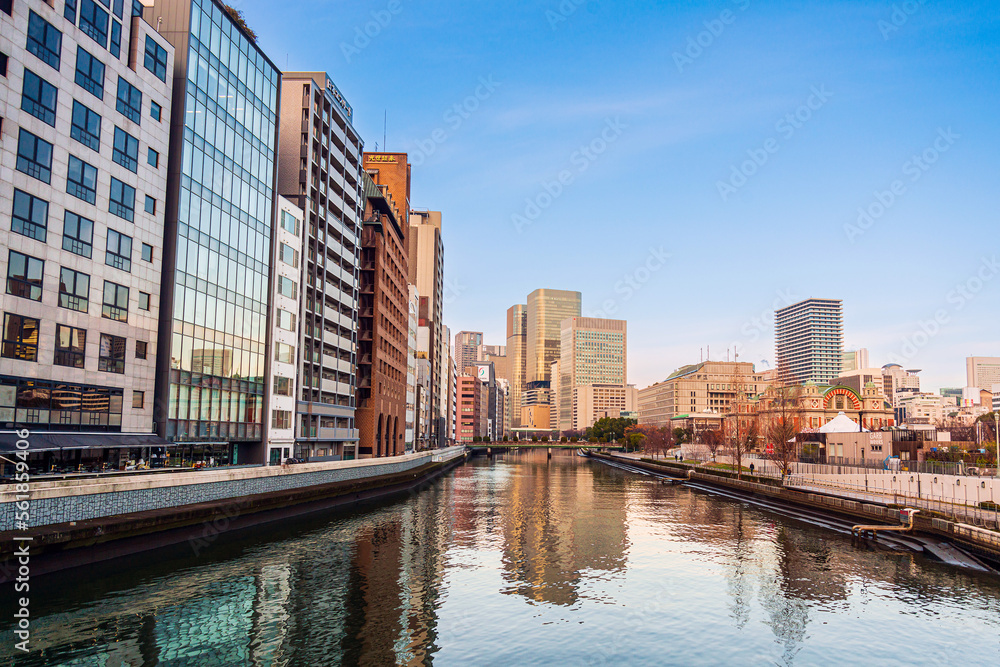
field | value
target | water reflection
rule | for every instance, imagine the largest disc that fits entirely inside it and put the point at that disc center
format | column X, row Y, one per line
column 520, row 559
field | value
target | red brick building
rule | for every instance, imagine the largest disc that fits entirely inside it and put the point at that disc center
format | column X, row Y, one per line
column 383, row 307
column 472, row 409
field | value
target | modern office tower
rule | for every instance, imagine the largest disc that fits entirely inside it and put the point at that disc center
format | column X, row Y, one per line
column 486, row 373
column 707, row 387
column 466, row 350
column 898, row 383
column 809, row 337
column 85, row 123
column 854, row 360
column 517, row 340
column 555, row 396
column 218, row 232
column 536, row 406
column 284, row 334
column 412, row 420
column 547, row 308
column 319, row 169
column 383, row 323
column 982, row 372
column 426, row 271
column 592, row 352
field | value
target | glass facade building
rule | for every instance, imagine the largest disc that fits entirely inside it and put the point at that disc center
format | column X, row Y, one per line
column 547, row 308
column 220, row 193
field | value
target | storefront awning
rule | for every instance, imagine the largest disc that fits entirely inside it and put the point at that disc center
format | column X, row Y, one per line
column 41, row 441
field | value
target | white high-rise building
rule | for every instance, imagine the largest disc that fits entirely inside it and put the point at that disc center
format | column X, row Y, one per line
column 809, row 340
column 86, row 129
column 982, row 372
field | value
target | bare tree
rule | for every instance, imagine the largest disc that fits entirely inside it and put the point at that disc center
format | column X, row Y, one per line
column 655, row 439
column 712, row 439
column 740, row 429
column 780, row 421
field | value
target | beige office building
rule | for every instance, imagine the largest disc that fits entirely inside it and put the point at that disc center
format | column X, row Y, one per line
column 547, row 308
column 982, row 372
column 708, row 387
column 591, row 402
column 516, row 348
column 593, row 353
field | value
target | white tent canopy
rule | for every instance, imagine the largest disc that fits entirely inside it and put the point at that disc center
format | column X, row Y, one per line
column 841, row 424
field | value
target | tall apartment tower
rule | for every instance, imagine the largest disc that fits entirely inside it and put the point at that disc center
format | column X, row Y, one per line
column 517, row 329
column 384, row 306
column 547, row 308
column 319, row 169
column 86, row 118
column 809, row 337
column 218, row 232
column 593, row 365
column 426, row 271
column 466, row 351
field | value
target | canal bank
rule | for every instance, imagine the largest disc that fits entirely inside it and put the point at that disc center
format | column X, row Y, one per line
column 78, row 522
column 982, row 544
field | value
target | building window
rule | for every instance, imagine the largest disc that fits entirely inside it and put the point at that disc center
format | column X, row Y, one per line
column 7, row 6
column 143, row 301
column 122, row 200
column 86, row 127
column 94, row 22
column 111, row 358
column 69, row 11
column 286, row 320
column 286, row 287
column 34, row 156
column 38, row 97
column 150, row 205
column 147, row 252
column 290, row 222
column 44, row 41
column 138, row 399
column 81, row 180
column 155, row 110
column 140, row 349
column 24, row 276
column 119, row 254
column 89, row 73
column 78, row 234
column 282, row 386
column 281, row 419
column 74, row 290
column 71, row 346
column 3, row 64
column 129, row 101
column 20, row 337
column 115, row 302
column 30, row 216
column 289, row 256
column 116, row 39
column 125, row 150
column 156, row 59
column 284, row 353
column 153, row 158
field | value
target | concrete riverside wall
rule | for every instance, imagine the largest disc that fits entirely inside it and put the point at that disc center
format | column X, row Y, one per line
column 961, row 490
column 53, row 502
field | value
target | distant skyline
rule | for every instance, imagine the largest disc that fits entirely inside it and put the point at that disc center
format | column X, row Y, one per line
column 754, row 155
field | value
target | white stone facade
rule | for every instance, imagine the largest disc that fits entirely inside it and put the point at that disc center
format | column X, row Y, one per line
column 142, row 167
column 285, row 299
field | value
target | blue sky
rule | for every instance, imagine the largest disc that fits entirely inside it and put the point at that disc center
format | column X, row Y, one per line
column 646, row 111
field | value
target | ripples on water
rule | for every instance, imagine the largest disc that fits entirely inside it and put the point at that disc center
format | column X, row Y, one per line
column 521, row 560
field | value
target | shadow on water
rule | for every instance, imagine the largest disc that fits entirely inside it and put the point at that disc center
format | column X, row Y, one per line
column 517, row 558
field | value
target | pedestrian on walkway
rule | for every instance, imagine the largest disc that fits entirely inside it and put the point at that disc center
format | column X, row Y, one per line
column 751, row 468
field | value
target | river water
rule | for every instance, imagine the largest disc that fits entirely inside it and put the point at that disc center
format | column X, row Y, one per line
column 520, row 560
